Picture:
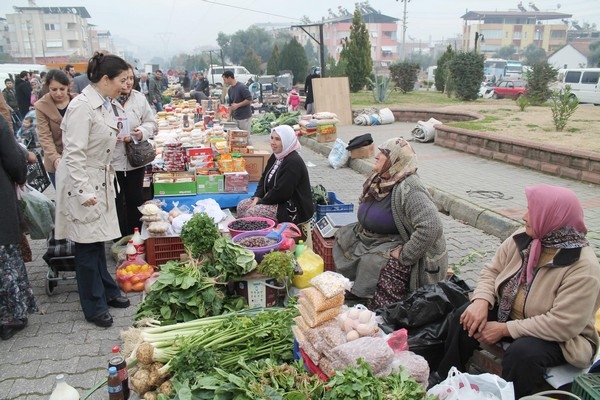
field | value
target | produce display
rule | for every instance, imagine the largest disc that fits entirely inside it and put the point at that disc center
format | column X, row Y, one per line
column 131, row 276
column 248, row 225
column 263, row 124
column 256, row 241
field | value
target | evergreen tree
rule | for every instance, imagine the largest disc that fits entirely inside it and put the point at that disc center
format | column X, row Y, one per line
column 252, row 62
column 293, row 58
column 273, row 64
column 441, row 71
column 467, row 70
column 336, row 69
column 311, row 54
column 358, row 49
column 506, row 52
column 404, row 74
column 538, row 82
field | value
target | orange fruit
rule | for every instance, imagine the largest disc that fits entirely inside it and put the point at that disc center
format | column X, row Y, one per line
column 138, row 287
column 126, row 286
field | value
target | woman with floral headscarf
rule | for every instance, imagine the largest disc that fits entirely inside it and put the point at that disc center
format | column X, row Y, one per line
column 398, row 243
column 540, row 293
column 283, row 192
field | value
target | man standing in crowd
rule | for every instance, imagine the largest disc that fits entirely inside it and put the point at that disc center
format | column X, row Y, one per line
column 315, row 72
column 155, row 92
column 145, row 86
column 23, row 93
column 70, row 70
column 240, row 100
column 202, row 85
column 186, row 81
column 9, row 95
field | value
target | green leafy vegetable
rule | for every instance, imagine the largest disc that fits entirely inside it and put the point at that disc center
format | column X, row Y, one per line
column 278, row 265
column 198, row 235
column 232, row 260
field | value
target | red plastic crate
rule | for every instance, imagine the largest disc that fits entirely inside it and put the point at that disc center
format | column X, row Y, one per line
column 159, row 250
column 324, row 248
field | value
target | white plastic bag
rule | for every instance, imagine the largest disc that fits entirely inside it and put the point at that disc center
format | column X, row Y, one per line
column 338, row 156
column 38, row 211
column 462, row 386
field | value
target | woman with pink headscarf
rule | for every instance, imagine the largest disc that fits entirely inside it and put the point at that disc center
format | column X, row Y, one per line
column 539, row 293
column 284, row 192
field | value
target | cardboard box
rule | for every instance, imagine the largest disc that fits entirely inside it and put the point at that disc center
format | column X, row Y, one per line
column 174, row 183
column 256, row 163
column 363, row 152
column 210, row 184
column 326, row 138
column 236, row 182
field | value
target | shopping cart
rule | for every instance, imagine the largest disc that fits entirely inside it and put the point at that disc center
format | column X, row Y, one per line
column 60, row 258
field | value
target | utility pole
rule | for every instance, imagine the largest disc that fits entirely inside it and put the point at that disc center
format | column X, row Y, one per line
column 404, row 27
column 31, row 42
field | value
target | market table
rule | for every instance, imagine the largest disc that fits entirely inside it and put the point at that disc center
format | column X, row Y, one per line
column 225, row 200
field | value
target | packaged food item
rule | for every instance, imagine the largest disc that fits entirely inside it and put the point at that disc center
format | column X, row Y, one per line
column 318, row 301
column 331, row 283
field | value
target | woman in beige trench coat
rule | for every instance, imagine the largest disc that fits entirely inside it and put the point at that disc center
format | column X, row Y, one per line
column 85, row 201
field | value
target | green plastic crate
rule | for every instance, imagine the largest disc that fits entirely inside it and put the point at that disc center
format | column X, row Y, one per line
column 587, row 386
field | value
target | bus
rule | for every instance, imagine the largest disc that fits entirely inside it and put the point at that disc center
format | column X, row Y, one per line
column 496, row 69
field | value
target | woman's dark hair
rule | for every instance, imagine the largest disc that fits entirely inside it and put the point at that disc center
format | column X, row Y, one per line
column 136, row 81
column 109, row 65
column 57, row 75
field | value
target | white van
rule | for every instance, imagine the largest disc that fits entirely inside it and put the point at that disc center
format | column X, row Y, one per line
column 584, row 83
column 240, row 73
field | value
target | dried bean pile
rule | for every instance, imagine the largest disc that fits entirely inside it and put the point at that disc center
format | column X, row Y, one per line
column 256, row 241
column 245, row 225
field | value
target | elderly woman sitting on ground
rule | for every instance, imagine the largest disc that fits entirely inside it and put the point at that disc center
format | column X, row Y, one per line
column 398, row 243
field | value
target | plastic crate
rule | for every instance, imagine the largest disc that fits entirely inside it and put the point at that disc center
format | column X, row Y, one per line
column 587, row 386
column 324, row 248
column 159, row 250
column 336, row 206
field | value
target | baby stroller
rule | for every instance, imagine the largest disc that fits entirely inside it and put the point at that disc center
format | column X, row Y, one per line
column 60, row 257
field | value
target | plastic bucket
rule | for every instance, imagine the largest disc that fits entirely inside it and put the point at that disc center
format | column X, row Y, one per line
column 259, row 252
column 387, row 116
column 233, row 232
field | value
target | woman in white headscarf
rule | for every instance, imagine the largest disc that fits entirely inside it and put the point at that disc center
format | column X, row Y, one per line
column 284, row 192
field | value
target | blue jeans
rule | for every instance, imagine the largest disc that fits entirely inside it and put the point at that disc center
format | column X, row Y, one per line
column 158, row 106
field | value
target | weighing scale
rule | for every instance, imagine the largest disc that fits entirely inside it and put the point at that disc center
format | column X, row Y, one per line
column 330, row 223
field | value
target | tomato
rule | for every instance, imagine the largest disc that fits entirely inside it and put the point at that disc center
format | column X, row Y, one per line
column 138, row 287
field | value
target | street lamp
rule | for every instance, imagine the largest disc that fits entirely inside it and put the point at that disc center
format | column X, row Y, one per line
column 478, row 36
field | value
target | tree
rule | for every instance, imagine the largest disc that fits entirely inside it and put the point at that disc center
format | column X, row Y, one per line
column 533, row 54
column 469, row 67
column 358, row 54
column 538, row 83
column 404, row 74
column 236, row 46
column 293, row 58
column 252, row 62
column 506, row 52
column 441, row 72
column 311, row 54
column 336, row 69
column 273, row 64
column 594, row 57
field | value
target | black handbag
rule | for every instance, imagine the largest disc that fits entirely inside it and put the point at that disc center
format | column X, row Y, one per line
column 140, row 153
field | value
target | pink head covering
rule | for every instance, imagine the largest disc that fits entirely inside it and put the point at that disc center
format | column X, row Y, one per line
column 550, row 208
column 289, row 140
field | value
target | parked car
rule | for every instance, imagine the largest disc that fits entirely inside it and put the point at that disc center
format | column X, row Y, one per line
column 509, row 89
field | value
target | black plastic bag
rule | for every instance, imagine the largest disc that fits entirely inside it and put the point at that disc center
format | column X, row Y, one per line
column 426, row 315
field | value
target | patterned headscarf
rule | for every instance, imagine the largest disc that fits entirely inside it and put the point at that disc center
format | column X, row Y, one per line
column 401, row 162
column 289, row 140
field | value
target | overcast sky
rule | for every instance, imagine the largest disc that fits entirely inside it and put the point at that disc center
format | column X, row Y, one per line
column 169, row 26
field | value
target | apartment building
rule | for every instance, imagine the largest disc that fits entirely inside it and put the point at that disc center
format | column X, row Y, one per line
column 336, row 28
column 522, row 27
column 49, row 34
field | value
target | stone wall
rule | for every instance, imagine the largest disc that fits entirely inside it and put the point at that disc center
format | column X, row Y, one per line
column 568, row 163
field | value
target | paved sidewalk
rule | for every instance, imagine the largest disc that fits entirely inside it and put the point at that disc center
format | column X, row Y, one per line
column 59, row 340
